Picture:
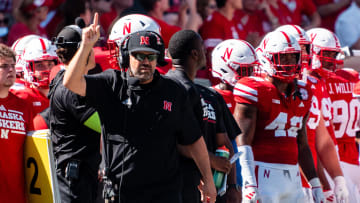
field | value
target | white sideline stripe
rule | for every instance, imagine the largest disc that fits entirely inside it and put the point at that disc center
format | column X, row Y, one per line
column 246, row 89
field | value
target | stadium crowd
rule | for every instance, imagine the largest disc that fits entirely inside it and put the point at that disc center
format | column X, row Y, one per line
column 139, row 96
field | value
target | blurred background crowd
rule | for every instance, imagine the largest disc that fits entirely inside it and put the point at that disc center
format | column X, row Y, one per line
column 215, row 20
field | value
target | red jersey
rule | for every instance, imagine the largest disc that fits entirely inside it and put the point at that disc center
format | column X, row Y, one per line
column 299, row 7
column 214, row 30
column 166, row 30
column 345, row 111
column 228, row 97
column 15, row 121
column 107, row 18
column 20, row 30
column 38, row 101
column 103, row 58
column 320, row 105
column 282, row 13
column 218, row 28
column 278, row 118
column 252, row 22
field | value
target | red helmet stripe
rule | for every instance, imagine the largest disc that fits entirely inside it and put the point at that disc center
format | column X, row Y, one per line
column 336, row 41
column 43, row 45
column 298, row 30
column 17, row 42
column 252, row 50
column 287, row 38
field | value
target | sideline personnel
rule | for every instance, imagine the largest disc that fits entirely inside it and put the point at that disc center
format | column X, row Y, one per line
column 74, row 128
column 153, row 116
column 16, row 119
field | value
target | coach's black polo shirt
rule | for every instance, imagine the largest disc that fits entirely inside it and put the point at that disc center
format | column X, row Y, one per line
column 142, row 125
column 213, row 117
column 70, row 137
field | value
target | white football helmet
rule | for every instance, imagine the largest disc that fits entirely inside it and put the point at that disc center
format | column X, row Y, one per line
column 273, row 47
column 233, row 59
column 301, row 36
column 324, row 40
column 18, row 47
column 38, row 49
column 127, row 25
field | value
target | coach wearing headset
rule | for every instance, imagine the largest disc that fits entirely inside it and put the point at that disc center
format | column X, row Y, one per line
column 144, row 116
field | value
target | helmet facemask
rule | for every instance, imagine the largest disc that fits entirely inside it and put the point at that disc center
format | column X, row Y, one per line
column 286, row 65
column 41, row 72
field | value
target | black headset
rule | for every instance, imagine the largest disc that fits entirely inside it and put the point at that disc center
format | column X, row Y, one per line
column 124, row 50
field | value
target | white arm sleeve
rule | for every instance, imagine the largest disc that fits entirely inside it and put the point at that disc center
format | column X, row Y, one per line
column 247, row 166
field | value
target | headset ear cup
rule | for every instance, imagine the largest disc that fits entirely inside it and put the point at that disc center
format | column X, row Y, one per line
column 124, row 53
column 161, row 60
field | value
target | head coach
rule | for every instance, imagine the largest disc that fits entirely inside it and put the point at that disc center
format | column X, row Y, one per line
column 145, row 116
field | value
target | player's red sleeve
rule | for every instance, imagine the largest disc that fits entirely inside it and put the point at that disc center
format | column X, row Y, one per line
column 246, row 91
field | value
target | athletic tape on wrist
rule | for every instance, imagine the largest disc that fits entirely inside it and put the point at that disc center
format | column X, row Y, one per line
column 315, row 182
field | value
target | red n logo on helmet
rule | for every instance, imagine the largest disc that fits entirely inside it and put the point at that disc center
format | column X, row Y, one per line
column 127, row 28
column 227, row 54
column 144, row 40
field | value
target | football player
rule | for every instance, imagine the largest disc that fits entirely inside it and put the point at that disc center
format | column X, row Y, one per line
column 125, row 26
column 272, row 113
column 232, row 59
column 344, row 107
column 39, row 57
column 319, row 137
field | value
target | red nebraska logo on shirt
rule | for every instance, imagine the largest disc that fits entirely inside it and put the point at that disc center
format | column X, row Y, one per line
column 167, row 105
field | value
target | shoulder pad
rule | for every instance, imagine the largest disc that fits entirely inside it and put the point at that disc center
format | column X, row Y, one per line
column 312, row 79
column 301, row 83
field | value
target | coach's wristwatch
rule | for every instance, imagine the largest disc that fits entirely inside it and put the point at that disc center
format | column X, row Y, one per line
column 235, row 186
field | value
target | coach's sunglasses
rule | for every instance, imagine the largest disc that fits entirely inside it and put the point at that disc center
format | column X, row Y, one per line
column 141, row 57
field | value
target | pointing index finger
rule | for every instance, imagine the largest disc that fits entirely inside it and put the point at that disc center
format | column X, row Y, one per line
column 96, row 19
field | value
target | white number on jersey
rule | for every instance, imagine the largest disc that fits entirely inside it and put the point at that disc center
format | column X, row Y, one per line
column 313, row 122
column 326, row 110
column 346, row 116
column 280, row 122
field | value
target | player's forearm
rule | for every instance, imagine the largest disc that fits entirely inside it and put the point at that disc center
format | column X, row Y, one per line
column 306, row 162
column 325, row 149
column 74, row 78
column 327, row 155
column 321, row 174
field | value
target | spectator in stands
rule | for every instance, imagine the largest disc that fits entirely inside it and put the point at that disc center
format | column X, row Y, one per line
column 117, row 8
column 29, row 16
column 276, row 12
column 299, row 8
column 253, row 20
column 218, row 27
column 205, row 8
column 329, row 10
column 155, row 9
column 4, row 22
column 347, row 26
